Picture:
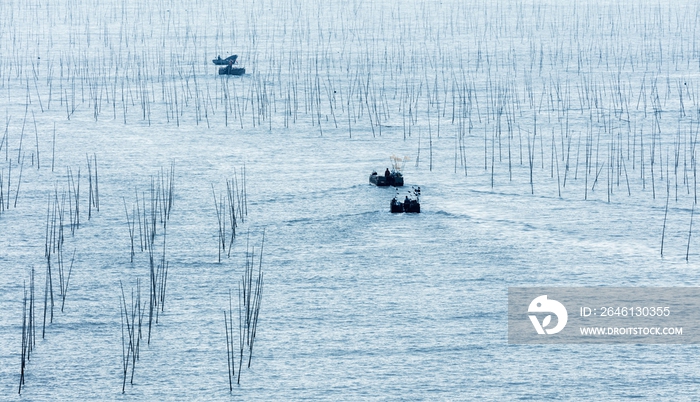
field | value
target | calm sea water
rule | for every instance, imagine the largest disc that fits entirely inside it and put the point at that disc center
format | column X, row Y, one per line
column 358, row 303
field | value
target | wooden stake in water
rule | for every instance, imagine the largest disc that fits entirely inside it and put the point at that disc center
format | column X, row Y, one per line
column 690, row 232
column 53, row 148
column 663, row 231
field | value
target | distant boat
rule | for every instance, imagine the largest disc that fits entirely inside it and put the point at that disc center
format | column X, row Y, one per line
column 396, row 206
column 222, row 62
column 390, row 178
column 411, row 203
column 230, row 70
column 410, row 206
column 395, row 178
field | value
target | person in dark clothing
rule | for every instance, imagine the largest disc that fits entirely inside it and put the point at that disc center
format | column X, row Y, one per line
column 387, row 173
column 406, row 204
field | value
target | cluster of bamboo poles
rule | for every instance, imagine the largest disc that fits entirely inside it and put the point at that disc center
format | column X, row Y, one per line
column 109, row 75
column 5, row 195
column 232, row 206
column 131, row 320
column 136, row 315
column 152, row 218
column 72, row 195
column 250, row 290
column 617, row 133
column 53, row 253
column 151, row 215
column 60, row 206
column 28, row 328
column 507, row 96
column 93, row 188
column 307, row 80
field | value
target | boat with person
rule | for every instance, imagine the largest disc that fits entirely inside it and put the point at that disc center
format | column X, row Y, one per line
column 222, row 62
column 392, row 177
column 389, row 178
column 410, row 204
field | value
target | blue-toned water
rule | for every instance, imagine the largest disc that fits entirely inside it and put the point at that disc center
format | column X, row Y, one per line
column 358, row 303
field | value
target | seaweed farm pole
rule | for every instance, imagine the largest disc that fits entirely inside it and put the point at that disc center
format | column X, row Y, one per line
column 125, row 350
column 152, row 292
column 229, row 343
column 256, row 303
column 161, row 274
column 65, row 288
column 555, row 156
column 46, row 295
column 9, row 177
column 690, row 232
column 53, row 148
column 21, row 137
column 28, row 338
column 131, row 229
column 89, row 166
column 530, row 158
column 232, row 213
column 241, row 340
column 24, row 341
column 170, row 188
column 663, row 231
column 19, row 182
column 77, row 202
column 31, row 334
column 418, row 154
column 221, row 241
column 228, row 353
column 2, row 196
column 36, row 135
column 96, row 198
column 135, row 337
column 653, row 152
column 69, row 176
column 138, row 216
column 245, row 191
column 6, row 139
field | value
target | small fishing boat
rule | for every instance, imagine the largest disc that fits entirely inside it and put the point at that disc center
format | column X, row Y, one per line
column 230, row 70
column 409, row 206
column 396, row 206
column 392, row 177
column 411, row 203
column 222, row 62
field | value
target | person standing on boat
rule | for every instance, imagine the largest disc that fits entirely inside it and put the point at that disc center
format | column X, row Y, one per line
column 406, row 204
column 387, row 173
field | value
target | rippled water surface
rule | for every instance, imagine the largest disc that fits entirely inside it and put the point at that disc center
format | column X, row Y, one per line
column 358, row 303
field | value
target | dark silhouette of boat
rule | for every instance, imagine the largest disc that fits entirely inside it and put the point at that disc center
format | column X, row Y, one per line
column 410, row 206
column 411, row 203
column 396, row 206
column 392, row 177
column 231, row 70
column 222, row 62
